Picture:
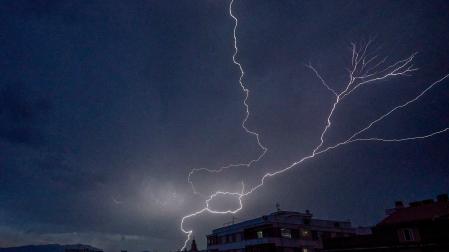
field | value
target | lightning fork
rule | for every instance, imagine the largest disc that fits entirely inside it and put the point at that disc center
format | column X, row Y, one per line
column 264, row 149
column 364, row 70
column 246, row 92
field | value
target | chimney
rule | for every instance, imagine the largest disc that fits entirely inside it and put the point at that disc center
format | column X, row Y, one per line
column 415, row 203
column 442, row 198
column 398, row 204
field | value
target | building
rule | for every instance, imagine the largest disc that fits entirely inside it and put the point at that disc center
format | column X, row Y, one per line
column 279, row 231
column 420, row 226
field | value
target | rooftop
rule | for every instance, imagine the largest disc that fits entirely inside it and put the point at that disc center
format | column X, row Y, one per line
column 418, row 211
column 282, row 217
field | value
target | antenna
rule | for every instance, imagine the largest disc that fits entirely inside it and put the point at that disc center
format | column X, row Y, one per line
column 232, row 222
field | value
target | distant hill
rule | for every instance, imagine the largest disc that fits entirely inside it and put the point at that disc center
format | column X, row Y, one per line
column 47, row 248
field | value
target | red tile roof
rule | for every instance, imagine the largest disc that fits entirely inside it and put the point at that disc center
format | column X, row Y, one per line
column 421, row 212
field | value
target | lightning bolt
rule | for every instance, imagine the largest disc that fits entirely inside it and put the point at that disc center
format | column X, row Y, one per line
column 246, row 92
column 365, row 70
column 264, row 149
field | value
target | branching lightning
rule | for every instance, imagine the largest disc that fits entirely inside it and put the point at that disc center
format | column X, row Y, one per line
column 365, row 70
column 264, row 149
column 247, row 112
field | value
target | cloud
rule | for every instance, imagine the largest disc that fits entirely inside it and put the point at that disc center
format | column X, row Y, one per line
column 21, row 114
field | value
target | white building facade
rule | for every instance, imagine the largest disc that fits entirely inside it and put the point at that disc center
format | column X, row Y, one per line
column 281, row 231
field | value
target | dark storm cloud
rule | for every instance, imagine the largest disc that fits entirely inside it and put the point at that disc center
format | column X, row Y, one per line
column 20, row 115
column 105, row 106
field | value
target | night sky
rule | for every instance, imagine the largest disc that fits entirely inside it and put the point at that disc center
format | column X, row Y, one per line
column 105, row 106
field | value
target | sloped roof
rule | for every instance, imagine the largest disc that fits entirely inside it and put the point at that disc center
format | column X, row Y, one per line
column 428, row 211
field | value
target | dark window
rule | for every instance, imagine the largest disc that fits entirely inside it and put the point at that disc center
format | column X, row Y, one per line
column 269, row 247
column 286, row 233
column 408, row 234
column 314, row 235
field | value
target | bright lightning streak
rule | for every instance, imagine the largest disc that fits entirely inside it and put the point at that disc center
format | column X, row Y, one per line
column 244, row 88
column 318, row 75
column 245, row 128
column 209, row 210
column 352, row 139
column 399, row 107
column 364, row 71
column 245, row 119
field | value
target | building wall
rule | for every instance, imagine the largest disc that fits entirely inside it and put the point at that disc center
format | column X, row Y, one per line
column 287, row 231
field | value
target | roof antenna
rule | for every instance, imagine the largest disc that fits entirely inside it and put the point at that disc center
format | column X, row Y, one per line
column 278, row 207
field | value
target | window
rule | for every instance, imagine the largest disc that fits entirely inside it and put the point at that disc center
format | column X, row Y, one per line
column 314, row 235
column 408, row 234
column 305, row 233
column 238, row 237
column 259, row 234
column 286, row 233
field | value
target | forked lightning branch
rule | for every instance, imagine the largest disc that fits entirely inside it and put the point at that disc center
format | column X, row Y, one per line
column 365, row 69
